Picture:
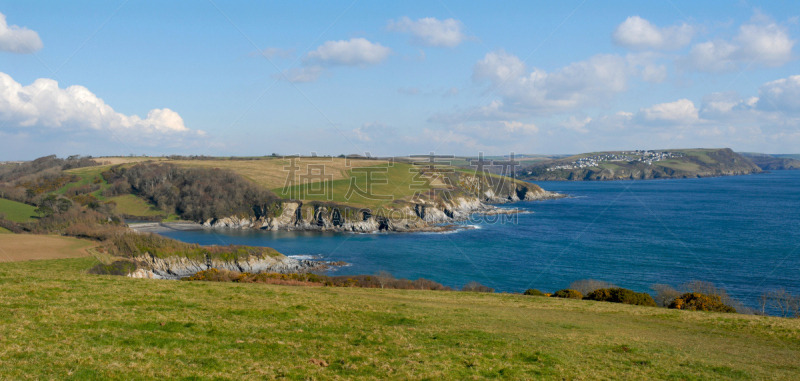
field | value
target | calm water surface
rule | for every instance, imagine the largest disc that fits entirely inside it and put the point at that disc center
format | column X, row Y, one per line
column 739, row 232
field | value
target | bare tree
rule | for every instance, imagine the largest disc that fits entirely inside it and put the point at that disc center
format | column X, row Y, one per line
column 665, row 294
column 384, row 277
column 762, row 302
column 780, row 300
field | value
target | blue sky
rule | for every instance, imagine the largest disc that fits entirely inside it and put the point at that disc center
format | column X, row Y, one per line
column 220, row 78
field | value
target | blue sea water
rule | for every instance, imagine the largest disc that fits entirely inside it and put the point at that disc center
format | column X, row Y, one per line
column 741, row 233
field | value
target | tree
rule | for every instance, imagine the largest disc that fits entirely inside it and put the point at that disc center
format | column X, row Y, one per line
column 665, row 294
column 384, row 277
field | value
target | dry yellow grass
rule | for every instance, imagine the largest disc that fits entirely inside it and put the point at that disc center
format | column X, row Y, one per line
column 25, row 247
column 126, row 160
column 271, row 172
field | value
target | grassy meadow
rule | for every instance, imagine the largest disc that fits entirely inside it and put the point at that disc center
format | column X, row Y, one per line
column 57, row 322
column 17, row 211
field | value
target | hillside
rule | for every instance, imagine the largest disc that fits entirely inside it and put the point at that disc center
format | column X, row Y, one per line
column 90, row 327
column 774, row 162
column 641, row 165
column 303, row 193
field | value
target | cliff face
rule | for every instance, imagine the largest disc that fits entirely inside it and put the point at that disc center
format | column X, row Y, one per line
column 176, row 267
column 474, row 197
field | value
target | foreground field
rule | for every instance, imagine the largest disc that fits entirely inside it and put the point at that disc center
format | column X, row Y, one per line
column 58, row 323
column 24, row 247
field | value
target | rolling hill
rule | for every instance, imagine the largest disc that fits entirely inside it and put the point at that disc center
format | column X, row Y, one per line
column 641, row 165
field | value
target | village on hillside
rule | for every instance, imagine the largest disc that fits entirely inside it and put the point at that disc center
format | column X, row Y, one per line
column 643, row 156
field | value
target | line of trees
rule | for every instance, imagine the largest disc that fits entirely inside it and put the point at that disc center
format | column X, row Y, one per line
column 195, row 193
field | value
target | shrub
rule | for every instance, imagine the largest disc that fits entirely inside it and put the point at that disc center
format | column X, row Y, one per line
column 586, row 286
column 568, row 293
column 621, row 295
column 476, row 287
column 694, row 301
column 115, row 268
column 533, row 292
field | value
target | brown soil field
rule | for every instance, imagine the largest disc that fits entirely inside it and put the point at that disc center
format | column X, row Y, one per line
column 26, row 247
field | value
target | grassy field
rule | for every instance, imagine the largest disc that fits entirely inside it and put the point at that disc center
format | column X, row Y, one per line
column 135, row 206
column 398, row 180
column 5, row 231
column 56, row 322
column 17, row 211
column 26, row 247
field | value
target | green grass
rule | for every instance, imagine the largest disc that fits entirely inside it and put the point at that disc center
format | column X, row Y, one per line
column 5, row 231
column 88, row 176
column 57, row 322
column 135, row 206
column 17, row 211
column 399, row 176
column 678, row 165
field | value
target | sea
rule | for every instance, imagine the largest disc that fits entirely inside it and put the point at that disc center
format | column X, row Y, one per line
column 741, row 233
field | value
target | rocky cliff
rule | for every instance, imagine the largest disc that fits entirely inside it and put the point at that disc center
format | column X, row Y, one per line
column 474, row 196
column 176, row 267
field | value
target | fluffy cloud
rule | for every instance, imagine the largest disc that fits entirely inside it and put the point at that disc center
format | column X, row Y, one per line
column 430, row 31
column 18, row 39
column 782, row 95
column 575, row 124
column 680, row 111
column 583, row 83
column 639, row 34
column 761, row 42
column 353, row 52
column 45, row 107
column 358, row 52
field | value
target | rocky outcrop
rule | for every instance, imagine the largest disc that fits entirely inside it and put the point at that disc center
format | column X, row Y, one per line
column 405, row 217
column 176, row 267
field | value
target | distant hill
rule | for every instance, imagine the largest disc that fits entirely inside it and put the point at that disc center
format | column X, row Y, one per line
column 640, row 165
column 769, row 162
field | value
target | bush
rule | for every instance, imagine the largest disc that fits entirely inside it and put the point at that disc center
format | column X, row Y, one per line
column 568, row 293
column 533, row 292
column 586, row 286
column 694, row 301
column 621, row 295
column 476, row 287
column 122, row 268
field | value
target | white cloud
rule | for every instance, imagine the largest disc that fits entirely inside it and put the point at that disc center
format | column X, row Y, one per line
column 782, row 95
column 357, row 52
column 584, row 83
column 368, row 132
column 575, row 124
column 761, row 42
column 639, row 34
column 44, row 106
column 519, row 127
column 353, row 52
column 17, row 39
column 430, row 31
column 680, row 111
